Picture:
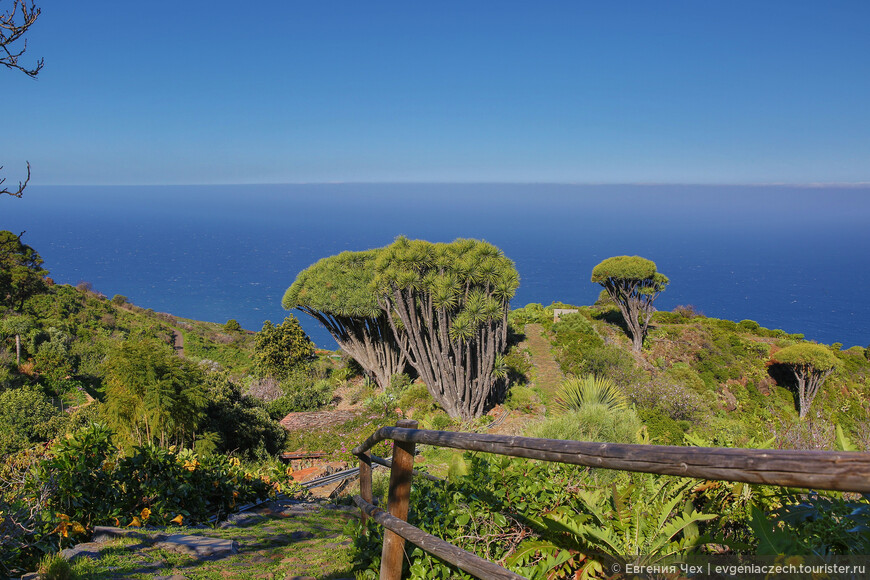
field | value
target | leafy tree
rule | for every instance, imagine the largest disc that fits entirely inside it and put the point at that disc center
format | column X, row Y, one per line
column 232, row 325
column 14, row 24
column 447, row 305
column 21, row 273
column 25, row 418
column 811, row 365
column 337, row 292
column 633, row 284
column 17, row 326
column 280, row 349
column 240, row 422
column 152, row 395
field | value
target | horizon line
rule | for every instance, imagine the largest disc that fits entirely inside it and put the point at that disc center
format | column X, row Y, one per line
column 809, row 185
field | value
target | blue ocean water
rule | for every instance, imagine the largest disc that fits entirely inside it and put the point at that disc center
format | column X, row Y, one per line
column 788, row 257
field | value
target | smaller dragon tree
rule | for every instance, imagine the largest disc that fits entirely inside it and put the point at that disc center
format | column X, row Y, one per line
column 336, row 292
column 448, row 306
column 811, row 365
column 633, row 283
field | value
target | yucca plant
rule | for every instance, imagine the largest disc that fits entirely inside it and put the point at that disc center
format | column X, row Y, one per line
column 577, row 392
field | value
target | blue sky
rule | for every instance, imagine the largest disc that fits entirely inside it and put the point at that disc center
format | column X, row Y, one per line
column 281, row 91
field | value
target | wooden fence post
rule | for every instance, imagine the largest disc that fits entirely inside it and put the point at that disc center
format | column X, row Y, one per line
column 365, row 480
column 393, row 551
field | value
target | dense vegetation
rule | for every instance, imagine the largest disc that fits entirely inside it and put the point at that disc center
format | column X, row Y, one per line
column 106, row 408
column 699, row 381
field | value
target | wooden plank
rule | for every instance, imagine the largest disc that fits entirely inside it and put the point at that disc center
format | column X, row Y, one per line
column 303, row 455
column 398, row 501
column 466, row 561
column 833, row 470
column 365, row 479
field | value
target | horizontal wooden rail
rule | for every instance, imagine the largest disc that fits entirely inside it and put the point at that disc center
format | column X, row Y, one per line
column 830, row 470
column 463, row 560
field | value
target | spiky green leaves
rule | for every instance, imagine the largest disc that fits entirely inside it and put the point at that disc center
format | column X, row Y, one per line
column 337, row 285
column 630, row 269
column 471, row 279
column 575, row 393
column 812, row 356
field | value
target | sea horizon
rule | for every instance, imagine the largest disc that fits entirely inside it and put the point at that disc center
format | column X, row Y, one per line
column 786, row 256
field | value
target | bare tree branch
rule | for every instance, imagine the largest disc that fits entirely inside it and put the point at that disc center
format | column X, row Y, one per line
column 14, row 24
column 21, row 184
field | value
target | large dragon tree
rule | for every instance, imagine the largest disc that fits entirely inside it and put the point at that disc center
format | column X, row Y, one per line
column 633, row 283
column 336, row 291
column 448, row 305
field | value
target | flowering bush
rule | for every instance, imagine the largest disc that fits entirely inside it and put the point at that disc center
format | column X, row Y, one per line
column 95, row 486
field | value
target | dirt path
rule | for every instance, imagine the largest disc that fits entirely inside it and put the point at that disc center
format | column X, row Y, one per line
column 178, row 341
column 546, row 374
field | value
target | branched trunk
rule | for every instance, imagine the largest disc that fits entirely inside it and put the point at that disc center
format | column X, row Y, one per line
column 457, row 373
column 370, row 341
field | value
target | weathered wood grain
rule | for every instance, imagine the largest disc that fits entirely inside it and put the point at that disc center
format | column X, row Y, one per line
column 463, row 560
column 832, row 470
column 398, row 501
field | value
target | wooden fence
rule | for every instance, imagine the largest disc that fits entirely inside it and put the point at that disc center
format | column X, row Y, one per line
column 822, row 470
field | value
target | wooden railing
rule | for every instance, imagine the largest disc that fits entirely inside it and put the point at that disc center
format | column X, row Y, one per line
column 821, row 470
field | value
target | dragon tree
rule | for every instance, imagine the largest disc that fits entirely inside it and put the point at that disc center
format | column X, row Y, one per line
column 336, row 292
column 447, row 305
column 633, row 283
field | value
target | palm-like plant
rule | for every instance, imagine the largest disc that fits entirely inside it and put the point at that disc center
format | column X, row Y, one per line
column 646, row 523
column 575, row 393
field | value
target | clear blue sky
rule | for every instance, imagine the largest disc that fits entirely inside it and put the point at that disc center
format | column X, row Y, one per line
column 161, row 92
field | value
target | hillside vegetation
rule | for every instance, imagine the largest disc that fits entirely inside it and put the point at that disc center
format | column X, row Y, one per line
column 206, row 398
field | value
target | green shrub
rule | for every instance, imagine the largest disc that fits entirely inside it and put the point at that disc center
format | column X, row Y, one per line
column 662, row 429
column 684, row 375
column 529, row 314
column 95, row 486
column 522, row 398
column 592, row 422
column 415, row 396
column 667, row 397
column 301, row 396
column 25, row 418
column 232, row 325
column 54, row 567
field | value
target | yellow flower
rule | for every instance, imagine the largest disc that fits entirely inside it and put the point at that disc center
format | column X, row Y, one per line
column 234, row 461
column 145, row 513
column 191, row 465
column 289, row 471
column 248, row 476
column 179, row 519
column 135, row 523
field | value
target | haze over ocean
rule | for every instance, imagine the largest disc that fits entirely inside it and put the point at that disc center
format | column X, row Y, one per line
column 794, row 258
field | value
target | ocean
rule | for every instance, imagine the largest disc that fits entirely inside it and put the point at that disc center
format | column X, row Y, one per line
column 794, row 258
